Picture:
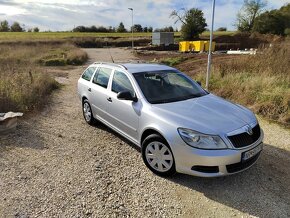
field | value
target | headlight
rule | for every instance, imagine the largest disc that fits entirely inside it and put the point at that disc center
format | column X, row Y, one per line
column 202, row 141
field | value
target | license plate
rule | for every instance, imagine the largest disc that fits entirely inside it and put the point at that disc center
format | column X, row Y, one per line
column 251, row 153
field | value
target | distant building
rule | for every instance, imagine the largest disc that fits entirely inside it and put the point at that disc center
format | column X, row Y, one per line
column 162, row 38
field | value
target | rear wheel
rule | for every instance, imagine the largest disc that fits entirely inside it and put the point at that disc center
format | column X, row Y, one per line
column 87, row 112
column 158, row 156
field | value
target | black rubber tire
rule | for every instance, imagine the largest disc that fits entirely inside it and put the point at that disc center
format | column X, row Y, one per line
column 156, row 137
column 92, row 121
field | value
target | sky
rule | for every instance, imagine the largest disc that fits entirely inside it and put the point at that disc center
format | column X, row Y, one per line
column 64, row 15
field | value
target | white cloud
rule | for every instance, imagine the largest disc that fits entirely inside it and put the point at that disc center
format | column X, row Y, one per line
column 11, row 10
column 65, row 14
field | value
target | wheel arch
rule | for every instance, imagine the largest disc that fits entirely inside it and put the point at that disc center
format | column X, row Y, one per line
column 84, row 98
column 150, row 131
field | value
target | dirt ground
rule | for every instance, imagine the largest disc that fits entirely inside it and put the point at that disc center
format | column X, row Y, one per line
column 55, row 165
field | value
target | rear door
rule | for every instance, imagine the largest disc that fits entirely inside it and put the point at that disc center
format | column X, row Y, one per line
column 99, row 92
column 123, row 114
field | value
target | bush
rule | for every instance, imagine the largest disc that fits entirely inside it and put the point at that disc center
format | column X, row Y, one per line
column 261, row 82
column 222, row 29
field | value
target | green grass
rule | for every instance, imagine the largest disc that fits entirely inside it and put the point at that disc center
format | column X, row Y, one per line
column 30, row 36
column 219, row 33
column 173, row 61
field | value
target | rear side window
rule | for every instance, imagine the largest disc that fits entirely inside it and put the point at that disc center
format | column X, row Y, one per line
column 87, row 75
column 101, row 78
column 121, row 83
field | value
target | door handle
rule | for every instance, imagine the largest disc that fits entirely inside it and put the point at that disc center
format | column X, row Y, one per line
column 89, row 89
column 109, row 99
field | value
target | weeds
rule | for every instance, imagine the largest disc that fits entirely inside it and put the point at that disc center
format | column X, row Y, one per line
column 63, row 55
column 24, row 84
column 261, row 82
column 173, row 61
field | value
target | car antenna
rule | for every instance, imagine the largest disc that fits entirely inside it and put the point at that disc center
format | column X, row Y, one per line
column 111, row 55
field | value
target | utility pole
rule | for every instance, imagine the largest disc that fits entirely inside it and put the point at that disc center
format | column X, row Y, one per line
column 131, row 9
column 210, row 46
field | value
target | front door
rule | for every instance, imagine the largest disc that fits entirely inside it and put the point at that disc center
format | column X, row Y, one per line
column 124, row 114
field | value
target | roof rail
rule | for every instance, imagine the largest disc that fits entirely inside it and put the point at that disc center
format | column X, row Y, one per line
column 112, row 64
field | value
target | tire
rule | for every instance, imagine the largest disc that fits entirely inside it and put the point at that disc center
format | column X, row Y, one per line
column 87, row 113
column 158, row 156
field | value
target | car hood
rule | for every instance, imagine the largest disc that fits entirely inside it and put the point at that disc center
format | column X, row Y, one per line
column 208, row 114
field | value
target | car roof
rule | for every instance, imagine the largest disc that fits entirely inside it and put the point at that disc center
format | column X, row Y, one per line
column 141, row 67
column 137, row 67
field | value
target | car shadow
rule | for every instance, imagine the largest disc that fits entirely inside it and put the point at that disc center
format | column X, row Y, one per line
column 103, row 127
column 262, row 191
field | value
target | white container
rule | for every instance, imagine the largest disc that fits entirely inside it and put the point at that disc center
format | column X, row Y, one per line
column 8, row 121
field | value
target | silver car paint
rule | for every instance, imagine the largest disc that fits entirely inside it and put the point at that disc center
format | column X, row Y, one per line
column 207, row 114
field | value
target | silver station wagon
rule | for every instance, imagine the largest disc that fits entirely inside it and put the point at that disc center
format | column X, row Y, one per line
column 179, row 126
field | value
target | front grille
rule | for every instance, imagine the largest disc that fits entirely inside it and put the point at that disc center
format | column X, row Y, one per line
column 244, row 139
column 233, row 168
column 206, row 169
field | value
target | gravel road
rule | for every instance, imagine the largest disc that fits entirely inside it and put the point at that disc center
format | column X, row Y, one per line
column 55, row 165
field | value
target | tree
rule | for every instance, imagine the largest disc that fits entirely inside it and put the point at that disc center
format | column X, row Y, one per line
column 4, row 26
column 222, row 29
column 121, row 28
column 164, row 29
column 193, row 22
column 150, row 29
column 248, row 13
column 36, row 29
column 79, row 29
column 137, row 28
column 145, row 29
column 274, row 21
column 269, row 22
column 15, row 27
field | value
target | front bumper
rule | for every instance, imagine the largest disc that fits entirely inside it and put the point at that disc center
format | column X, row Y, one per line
column 213, row 163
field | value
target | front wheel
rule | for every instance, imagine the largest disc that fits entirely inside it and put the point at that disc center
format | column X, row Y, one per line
column 87, row 112
column 158, row 156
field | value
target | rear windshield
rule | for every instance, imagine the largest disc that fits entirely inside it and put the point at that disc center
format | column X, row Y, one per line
column 167, row 86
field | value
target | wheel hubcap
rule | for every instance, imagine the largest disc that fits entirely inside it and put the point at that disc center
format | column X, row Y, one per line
column 159, row 156
column 87, row 112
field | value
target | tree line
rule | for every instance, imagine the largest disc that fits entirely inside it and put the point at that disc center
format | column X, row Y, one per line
column 121, row 29
column 15, row 27
column 253, row 18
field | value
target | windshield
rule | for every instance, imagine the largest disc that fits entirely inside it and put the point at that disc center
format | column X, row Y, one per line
column 167, row 86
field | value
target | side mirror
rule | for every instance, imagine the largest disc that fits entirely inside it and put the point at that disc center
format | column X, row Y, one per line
column 198, row 82
column 126, row 95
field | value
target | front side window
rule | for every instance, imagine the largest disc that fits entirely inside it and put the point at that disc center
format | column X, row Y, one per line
column 121, row 83
column 167, row 86
column 87, row 75
column 101, row 78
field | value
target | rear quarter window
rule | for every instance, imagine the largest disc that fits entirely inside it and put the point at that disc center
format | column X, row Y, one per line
column 102, row 77
column 87, row 75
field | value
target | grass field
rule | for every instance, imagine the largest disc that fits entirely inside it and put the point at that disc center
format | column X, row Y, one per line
column 24, row 82
column 29, row 36
column 261, row 82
